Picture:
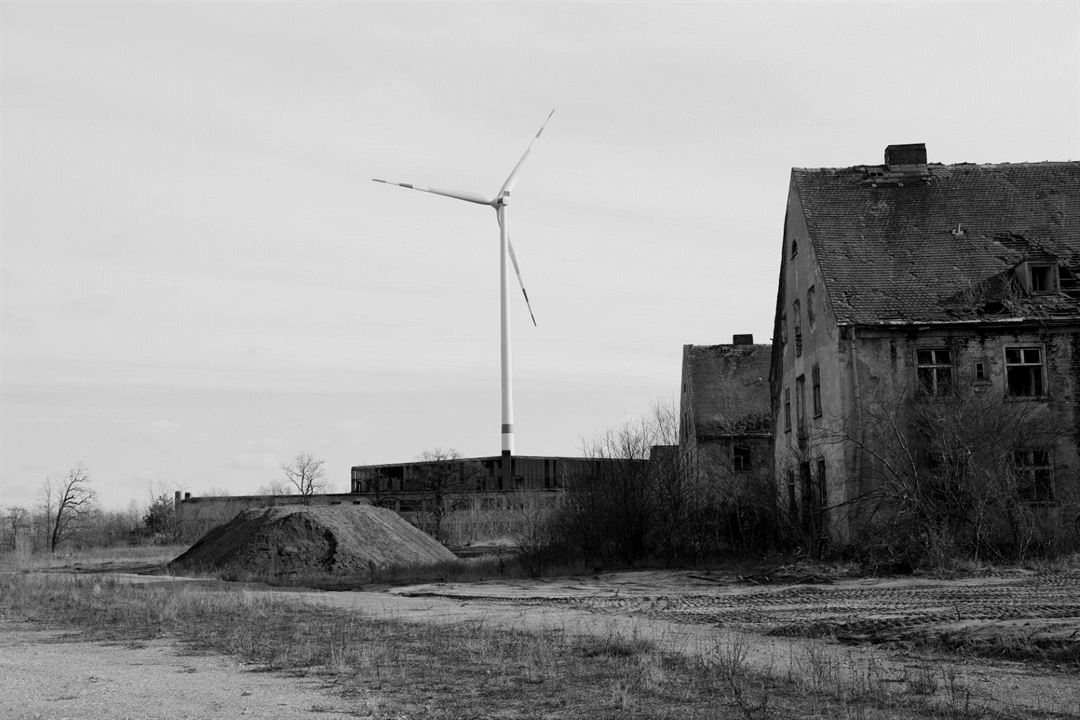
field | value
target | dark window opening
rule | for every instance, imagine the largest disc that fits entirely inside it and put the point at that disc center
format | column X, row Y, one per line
column 1024, row 372
column 787, row 409
column 816, row 380
column 793, row 509
column 822, row 489
column 1043, row 278
column 811, row 315
column 740, row 458
column 798, row 328
column 794, row 247
column 934, row 371
column 981, row 375
column 800, row 401
column 1034, row 475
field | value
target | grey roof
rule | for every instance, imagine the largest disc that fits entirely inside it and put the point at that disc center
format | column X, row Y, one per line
column 908, row 249
column 729, row 386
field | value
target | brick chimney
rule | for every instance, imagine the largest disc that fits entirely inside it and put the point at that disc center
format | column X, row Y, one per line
column 742, row 339
column 897, row 156
column 904, row 165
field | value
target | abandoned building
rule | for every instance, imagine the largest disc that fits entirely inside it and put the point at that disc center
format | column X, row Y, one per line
column 725, row 428
column 909, row 291
column 484, row 480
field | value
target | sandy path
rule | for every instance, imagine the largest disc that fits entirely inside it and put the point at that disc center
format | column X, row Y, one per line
column 1012, row 687
column 53, row 674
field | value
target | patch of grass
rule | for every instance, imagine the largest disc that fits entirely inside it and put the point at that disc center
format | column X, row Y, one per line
column 1055, row 649
column 397, row 669
column 134, row 558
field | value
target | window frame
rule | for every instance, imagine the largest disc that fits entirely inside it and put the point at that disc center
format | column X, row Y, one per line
column 800, row 402
column 787, row 409
column 741, row 458
column 811, row 315
column 796, row 308
column 935, row 367
column 1040, row 380
column 1051, row 276
column 1031, row 474
column 815, row 392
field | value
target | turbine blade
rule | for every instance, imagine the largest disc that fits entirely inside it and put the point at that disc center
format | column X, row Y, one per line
column 456, row 194
column 512, row 178
column 517, row 271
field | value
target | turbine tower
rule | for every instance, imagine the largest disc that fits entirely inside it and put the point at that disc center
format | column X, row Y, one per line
column 506, row 250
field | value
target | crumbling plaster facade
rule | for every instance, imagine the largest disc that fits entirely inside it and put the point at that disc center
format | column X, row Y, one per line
column 725, row 431
column 828, row 371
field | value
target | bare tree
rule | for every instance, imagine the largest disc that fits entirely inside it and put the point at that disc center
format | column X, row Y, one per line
column 607, row 514
column 18, row 518
column 443, row 478
column 69, row 505
column 306, row 474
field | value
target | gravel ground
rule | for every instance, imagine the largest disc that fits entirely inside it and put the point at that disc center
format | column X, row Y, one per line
column 49, row 674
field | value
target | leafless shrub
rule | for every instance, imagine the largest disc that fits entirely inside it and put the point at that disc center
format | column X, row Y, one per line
column 948, row 479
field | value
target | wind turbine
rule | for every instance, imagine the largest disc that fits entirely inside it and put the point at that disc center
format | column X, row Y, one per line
column 506, row 249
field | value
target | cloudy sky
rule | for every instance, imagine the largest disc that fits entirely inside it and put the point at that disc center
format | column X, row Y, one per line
column 200, row 280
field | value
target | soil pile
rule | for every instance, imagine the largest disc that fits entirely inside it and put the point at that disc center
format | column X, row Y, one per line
column 311, row 541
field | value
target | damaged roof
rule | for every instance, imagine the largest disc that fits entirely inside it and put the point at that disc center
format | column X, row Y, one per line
column 729, row 389
column 943, row 246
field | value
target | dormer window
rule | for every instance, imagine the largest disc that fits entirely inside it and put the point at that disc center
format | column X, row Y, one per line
column 1043, row 278
column 1039, row 278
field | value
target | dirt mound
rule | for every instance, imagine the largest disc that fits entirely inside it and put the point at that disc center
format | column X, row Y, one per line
column 312, row 540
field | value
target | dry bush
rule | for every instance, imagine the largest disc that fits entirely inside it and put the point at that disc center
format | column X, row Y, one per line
column 946, row 485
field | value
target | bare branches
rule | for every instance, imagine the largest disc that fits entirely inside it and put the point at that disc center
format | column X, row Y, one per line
column 70, row 504
column 944, row 471
column 444, row 477
column 306, row 474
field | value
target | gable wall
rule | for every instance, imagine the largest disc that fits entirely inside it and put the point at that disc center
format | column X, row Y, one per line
column 821, row 346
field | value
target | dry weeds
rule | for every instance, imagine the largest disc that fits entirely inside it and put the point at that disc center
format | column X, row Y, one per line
column 393, row 669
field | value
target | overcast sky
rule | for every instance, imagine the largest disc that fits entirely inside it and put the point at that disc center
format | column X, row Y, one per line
column 199, row 278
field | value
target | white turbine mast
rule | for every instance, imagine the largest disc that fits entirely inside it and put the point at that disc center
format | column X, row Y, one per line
column 506, row 250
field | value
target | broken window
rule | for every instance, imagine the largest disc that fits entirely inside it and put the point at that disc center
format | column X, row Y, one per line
column 1024, row 372
column 1034, row 474
column 1043, row 278
column 787, row 409
column 798, row 328
column 800, row 402
column 811, row 315
column 740, row 458
column 816, row 391
column 934, row 371
column 982, row 375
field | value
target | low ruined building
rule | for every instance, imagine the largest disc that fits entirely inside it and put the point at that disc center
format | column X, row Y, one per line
column 481, row 480
column 725, row 428
column 912, row 293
